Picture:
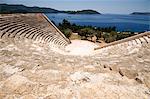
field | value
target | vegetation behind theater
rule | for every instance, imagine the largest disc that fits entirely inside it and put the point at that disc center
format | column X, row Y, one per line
column 107, row 34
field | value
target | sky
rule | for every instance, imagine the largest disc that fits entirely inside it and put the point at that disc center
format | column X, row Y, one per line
column 102, row 6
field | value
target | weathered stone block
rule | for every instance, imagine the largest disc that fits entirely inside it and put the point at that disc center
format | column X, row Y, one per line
column 131, row 74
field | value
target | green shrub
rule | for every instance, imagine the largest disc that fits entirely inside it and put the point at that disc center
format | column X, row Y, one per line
column 67, row 32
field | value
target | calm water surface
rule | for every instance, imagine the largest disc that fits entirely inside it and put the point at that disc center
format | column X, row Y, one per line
column 136, row 23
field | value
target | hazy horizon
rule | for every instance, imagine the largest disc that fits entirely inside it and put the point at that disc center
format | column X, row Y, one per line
column 102, row 6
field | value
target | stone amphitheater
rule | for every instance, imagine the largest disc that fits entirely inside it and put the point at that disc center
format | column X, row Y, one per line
column 38, row 62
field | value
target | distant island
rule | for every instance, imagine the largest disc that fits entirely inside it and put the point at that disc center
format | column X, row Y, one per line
column 7, row 9
column 82, row 12
column 140, row 13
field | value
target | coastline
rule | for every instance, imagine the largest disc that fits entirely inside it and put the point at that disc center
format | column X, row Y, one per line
column 122, row 22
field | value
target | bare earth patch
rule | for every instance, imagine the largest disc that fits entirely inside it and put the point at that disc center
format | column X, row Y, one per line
column 81, row 47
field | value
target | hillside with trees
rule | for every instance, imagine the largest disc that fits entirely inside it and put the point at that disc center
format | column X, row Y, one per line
column 107, row 34
column 5, row 8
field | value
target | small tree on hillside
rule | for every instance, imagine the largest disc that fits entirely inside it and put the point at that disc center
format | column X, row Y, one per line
column 67, row 32
column 66, row 24
column 86, row 32
column 99, row 34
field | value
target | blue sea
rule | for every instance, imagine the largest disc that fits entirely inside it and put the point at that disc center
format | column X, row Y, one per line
column 135, row 23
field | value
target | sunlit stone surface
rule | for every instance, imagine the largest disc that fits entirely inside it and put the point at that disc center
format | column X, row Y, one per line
column 34, row 69
column 81, row 47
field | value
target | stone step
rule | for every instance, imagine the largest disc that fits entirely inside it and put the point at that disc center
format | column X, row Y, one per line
column 19, row 31
column 30, row 26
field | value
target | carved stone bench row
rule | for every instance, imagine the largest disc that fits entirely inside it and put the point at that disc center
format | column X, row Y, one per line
column 33, row 21
column 27, row 20
column 18, row 21
column 12, row 30
column 27, row 32
column 8, row 22
column 131, row 41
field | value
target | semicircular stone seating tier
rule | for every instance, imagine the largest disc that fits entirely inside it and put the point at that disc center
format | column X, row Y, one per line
column 31, row 26
column 126, row 45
